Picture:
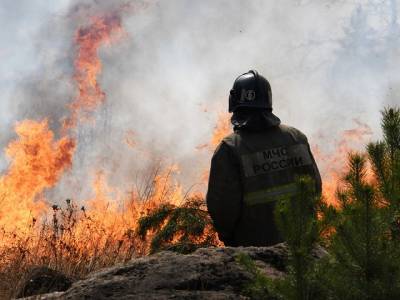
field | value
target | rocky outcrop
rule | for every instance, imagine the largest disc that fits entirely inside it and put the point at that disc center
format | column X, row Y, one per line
column 208, row 273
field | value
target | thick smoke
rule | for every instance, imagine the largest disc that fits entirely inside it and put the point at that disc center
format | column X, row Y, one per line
column 329, row 63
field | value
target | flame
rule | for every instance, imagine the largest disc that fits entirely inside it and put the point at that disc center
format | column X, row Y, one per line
column 37, row 163
column 101, row 31
column 111, row 214
column 332, row 165
column 222, row 129
column 99, row 234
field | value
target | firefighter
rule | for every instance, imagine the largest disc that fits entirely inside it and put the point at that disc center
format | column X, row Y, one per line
column 255, row 166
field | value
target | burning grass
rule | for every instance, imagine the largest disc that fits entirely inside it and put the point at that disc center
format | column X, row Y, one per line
column 77, row 240
column 73, row 239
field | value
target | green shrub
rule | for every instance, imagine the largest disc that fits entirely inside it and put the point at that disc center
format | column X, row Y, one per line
column 178, row 228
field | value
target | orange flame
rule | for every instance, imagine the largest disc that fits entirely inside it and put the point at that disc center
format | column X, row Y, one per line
column 88, row 64
column 37, row 163
column 222, row 129
column 333, row 165
column 102, row 232
column 117, row 213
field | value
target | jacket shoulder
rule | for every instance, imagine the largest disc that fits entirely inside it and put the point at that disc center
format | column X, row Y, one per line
column 231, row 140
column 226, row 143
column 296, row 134
column 226, row 148
column 234, row 139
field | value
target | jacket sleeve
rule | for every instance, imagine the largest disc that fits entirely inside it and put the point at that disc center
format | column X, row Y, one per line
column 317, row 176
column 224, row 196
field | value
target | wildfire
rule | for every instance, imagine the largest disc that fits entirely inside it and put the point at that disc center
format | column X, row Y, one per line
column 333, row 164
column 37, row 163
column 112, row 215
column 89, row 39
column 222, row 129
column 38, row 160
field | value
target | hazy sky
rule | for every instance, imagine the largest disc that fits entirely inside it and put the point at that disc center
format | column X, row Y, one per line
column 20, row 27
column 329, row 63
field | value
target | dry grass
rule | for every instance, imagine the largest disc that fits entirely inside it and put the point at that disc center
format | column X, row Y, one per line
column 77, row 240
column 60, row 245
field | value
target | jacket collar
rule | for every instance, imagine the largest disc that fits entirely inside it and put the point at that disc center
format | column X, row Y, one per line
column 256, row 121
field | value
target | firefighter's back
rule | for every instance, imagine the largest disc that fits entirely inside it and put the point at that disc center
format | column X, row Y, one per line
column 269, row 162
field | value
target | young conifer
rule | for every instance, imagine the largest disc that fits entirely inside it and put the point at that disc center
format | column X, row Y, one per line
column 385, row 160
column 364, row 260
column 178, row 228
column 296, row 217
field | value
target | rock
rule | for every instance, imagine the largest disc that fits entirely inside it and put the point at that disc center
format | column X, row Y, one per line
column 208, row 273
column 41, row 280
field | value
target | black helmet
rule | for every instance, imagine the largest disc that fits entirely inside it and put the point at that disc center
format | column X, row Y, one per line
column 250, row 90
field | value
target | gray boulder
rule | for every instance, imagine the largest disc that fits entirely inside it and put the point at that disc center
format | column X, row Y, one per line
column 208, row 273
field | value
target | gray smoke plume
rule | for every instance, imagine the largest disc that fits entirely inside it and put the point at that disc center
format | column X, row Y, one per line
column 166, row 80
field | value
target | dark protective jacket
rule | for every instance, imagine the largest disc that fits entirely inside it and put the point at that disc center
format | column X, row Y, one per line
column 250, row 171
